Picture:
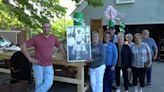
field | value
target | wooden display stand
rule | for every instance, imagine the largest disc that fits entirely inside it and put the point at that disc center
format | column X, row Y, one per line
column 79, row 80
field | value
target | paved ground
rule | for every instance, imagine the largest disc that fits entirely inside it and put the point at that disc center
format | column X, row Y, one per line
column 157, row 81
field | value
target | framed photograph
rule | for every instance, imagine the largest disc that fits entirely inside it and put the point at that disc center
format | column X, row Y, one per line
column 78, row 43
column 124, row 1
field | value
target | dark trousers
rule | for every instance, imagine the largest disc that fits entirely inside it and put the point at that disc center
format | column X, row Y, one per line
column 109, row 77
column 148, row 74
column 125, row 77
column 138, row 73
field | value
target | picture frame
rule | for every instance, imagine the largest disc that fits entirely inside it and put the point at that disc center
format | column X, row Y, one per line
column 124, row 1
column 78, row 43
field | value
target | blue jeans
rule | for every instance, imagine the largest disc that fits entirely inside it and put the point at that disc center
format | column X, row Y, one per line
column 109, row 77
column 43, row 77
column 148, row 74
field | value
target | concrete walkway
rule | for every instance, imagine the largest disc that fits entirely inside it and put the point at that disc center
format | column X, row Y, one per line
column 157, row 82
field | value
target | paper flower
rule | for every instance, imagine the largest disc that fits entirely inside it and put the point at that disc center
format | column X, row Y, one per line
column 110, row 12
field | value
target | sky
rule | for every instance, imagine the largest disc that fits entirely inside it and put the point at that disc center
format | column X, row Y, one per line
column 68, row 4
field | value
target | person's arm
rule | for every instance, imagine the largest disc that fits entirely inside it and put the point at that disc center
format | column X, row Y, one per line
column 61, row 49
column 149, row 56
column 155, row 50
column 60, row 46
column 130, row 56
column 156, row 53
column 115, row 57
column 25, row 52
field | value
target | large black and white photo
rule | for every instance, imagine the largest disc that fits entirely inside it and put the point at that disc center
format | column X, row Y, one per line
column 78, row 43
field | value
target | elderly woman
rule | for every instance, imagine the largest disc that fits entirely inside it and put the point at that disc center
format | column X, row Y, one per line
column 97, row 65
column 110, row 62
column 129, row 38
column 141, row 59
column 123, row 62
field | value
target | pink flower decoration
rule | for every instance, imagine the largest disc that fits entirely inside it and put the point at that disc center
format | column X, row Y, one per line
column 110, row 12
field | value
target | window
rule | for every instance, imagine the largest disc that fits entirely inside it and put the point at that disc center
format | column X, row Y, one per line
column 124, row 1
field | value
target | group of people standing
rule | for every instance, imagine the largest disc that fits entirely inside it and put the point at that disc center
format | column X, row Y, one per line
column 108, row 58
column 115, row 54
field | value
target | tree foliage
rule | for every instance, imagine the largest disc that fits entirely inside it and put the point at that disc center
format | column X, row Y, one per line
column 31, row 13
column 7, row 18
column 59, row 27
column 95, row 3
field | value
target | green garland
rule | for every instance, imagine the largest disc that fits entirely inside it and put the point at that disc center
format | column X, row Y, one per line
column 95, row 3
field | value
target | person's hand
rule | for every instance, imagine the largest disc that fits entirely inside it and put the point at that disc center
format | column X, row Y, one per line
column 34, row 61
column 129, row 69
column 126, row 43
column 64, row 56
column 90, row 60
column 112, row 68
column 155, row 57
column 146, row 63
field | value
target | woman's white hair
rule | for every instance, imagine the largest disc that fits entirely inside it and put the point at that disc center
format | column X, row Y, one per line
column 129, row 35
column 95, row 33
column 120, row 35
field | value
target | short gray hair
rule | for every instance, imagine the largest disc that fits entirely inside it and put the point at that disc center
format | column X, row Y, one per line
column 120, row 35
column 95, row 33
column 129, row 35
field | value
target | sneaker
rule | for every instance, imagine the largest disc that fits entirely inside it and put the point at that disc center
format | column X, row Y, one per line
column 118, row 90
column 149, row 85
column 126, row 91
column 135, row 89
column 140, row 90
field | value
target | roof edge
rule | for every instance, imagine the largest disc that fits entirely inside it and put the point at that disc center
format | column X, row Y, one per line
column 80, row 7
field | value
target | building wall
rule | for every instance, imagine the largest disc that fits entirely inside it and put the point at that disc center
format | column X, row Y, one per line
column 139, row 12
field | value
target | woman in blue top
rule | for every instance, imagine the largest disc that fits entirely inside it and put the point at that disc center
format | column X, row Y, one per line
column 110, row 62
